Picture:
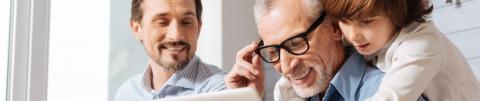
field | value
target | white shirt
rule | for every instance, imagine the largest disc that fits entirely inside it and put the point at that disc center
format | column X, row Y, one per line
column 421, row 60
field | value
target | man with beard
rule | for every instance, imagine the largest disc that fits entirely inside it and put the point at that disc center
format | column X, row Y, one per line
column 300, row 42
column 169, row 31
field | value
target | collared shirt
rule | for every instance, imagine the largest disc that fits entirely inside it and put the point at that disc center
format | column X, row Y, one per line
column 195, row 78
column 355, row 81
column 423, row 61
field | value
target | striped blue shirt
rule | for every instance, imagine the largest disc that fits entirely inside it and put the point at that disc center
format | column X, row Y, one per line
column 196, row 78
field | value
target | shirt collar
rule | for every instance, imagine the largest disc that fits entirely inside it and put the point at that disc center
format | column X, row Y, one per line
column 374, row 57
column 184, row 78
column 348, row 78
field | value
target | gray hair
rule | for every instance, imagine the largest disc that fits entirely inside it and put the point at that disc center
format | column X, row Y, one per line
column 312, row 8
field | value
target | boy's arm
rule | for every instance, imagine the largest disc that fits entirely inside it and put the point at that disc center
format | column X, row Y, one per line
column 414, row 65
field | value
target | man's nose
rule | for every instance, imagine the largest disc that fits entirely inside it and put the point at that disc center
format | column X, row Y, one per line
column 287, row 62
column 174, row 32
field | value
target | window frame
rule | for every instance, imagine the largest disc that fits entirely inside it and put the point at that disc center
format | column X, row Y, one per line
column 28, row 50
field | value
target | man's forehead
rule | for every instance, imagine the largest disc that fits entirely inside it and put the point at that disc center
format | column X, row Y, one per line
column 275, row 33
column 282, row 22
column 166, row 7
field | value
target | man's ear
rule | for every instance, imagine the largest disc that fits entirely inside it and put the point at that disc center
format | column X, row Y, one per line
column 337, row 35
column 199, row 26
column 136, row 29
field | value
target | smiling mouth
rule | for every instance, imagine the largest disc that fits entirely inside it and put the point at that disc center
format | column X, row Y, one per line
column 173, row 48
column 302, row 75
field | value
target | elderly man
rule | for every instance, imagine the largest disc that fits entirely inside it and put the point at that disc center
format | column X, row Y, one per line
column 169, row 31
column 299, row 41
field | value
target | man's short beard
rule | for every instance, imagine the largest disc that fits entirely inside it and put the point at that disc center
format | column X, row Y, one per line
column 320, row 86
column 172, row 62
column 174, row 66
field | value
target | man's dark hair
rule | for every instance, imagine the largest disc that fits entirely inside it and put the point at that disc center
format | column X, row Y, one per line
column 137, row 12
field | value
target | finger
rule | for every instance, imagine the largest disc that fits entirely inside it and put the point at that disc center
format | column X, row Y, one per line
column 235, row 80
column 250, row 67
column 256, row 62
column 258, row 65
column 243, row 72
column 232, row 76
column 240, row 71
column 247, row 51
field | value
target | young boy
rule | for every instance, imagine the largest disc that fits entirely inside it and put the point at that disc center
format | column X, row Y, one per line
column 396, row 37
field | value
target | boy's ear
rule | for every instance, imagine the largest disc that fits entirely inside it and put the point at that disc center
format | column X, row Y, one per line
column 136, row 29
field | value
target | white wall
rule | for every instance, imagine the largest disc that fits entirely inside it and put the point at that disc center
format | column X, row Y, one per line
column 78, row 53
column 239, row 28
column 127, row 56
column 462, row 27
column 209, row 47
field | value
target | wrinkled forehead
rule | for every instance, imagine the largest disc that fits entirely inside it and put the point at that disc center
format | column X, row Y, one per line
column 285, row 19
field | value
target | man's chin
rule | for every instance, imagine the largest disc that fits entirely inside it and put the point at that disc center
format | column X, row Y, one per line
column 306, row 92
column 173, row 64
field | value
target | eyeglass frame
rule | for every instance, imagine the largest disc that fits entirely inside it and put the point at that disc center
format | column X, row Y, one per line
column 303, row 35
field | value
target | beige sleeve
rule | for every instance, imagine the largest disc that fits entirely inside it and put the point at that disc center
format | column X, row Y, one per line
column 414, row 65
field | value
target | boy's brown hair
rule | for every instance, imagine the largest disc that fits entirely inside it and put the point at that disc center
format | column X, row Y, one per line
column 401, row 12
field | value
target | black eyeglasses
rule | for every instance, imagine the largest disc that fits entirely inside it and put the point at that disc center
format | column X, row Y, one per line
column 296, row 45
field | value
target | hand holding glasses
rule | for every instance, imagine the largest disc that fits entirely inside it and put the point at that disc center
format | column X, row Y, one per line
column 296, row 45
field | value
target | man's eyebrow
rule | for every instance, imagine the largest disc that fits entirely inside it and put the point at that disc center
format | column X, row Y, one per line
column 189, row 13
column 160, row 15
